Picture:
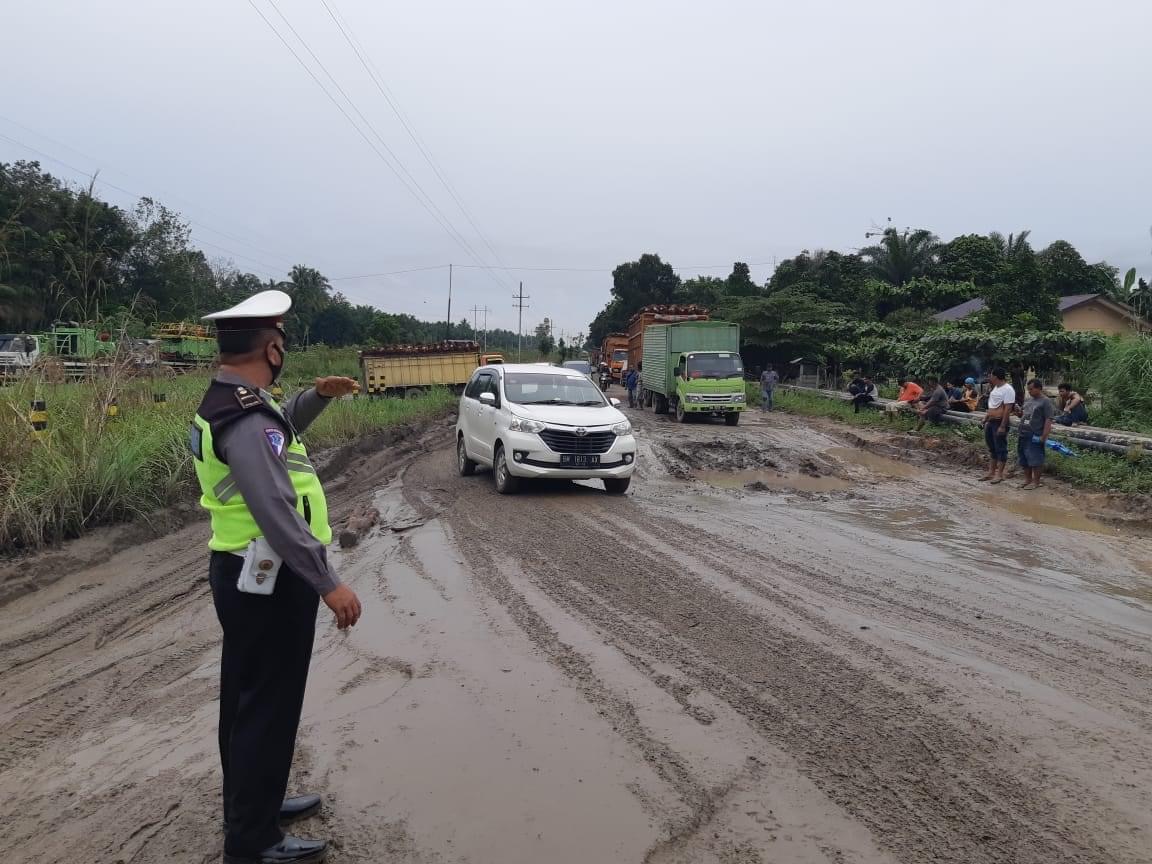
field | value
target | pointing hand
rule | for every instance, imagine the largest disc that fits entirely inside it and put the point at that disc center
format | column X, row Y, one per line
column 335, row 385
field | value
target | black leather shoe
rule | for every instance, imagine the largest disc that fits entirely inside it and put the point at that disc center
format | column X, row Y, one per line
column 290, row 850
column 299, row 807
column 295, row 808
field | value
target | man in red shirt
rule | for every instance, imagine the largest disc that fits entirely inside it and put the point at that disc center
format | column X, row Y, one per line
column 910, row 393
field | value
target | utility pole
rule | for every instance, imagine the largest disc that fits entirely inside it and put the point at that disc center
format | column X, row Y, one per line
column 448, row 325
column 521, row 305
column 476, row 310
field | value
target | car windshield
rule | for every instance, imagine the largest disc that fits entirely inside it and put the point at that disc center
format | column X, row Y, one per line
column 620, row 354
column 19, row 344
column 719, row 365
column 529, row 388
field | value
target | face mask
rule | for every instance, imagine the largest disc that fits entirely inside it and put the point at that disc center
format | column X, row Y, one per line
column 276, row 368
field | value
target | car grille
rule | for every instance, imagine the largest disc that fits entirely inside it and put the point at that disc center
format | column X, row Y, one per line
column 569, row 442
column 715, row 398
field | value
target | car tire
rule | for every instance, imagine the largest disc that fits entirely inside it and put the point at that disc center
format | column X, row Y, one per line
column 681, row 415
column 617, row 486
column 413, row 393
column 506, row 484
column 732, row 418
column 465, row 465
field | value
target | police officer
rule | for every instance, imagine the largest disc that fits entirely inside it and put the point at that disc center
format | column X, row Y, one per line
column 257, row 482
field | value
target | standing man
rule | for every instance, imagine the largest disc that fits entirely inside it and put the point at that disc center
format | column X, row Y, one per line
column 268, row 571
column 1035, row 426
column 769, row 378
column 997, row 420
column 631, row 379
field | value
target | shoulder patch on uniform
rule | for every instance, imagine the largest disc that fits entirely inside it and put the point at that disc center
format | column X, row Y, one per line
column 276, row 439
column 247, row 398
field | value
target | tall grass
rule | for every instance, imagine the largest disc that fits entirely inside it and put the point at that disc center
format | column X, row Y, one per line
column 92, row 470
column 1123, row 376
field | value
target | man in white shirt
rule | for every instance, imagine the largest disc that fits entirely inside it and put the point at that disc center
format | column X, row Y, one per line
column 997, row 420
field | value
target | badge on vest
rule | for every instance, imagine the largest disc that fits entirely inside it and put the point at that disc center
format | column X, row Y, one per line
column 261, row 566
column 276, row 440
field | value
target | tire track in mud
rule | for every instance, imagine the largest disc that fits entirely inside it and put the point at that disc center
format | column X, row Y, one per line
column 904, row 603
column 929, row 790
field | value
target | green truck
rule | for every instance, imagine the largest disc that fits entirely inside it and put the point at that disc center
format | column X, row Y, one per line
column 693, row 368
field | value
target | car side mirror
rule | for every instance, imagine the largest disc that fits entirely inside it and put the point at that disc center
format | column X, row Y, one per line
column 615, row 402
column 488, row 398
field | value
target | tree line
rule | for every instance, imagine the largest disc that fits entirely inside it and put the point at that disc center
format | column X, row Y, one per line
column 67, row 255
column 874, row 307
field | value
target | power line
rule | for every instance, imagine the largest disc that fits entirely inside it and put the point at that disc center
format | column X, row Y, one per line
column 540, row 269
column 272, row 268
column 167, row 195
column 406, row 179
column 377, row 79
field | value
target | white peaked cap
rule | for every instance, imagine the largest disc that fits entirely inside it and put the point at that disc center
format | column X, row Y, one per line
column 265, row 304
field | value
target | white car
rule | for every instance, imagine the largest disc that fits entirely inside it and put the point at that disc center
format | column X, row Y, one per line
column 529, row 421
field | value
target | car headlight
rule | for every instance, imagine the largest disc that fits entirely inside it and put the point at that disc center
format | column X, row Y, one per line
column 523, row 424
column 739, row 397
column 624, row 428
column 692, row 397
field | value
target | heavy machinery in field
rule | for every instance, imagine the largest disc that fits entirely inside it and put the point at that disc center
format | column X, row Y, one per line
column 411, row 370
column 185, row 346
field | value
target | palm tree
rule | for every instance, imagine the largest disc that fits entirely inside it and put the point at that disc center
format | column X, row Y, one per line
column 1012, row 245
column 900, row 257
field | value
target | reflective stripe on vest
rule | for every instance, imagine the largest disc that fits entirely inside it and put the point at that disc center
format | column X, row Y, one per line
column 233, row 526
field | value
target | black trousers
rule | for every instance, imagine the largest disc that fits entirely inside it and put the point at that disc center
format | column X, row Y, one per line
column 263, row 672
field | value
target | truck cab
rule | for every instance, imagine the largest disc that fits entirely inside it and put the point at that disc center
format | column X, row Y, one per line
column 710, row 382
column 18, row 352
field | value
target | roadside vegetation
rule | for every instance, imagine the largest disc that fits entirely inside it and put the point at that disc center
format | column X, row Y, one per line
column 1088, row 469
column 92, row 469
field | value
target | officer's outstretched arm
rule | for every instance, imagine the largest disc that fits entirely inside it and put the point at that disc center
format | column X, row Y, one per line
column 249, row 446
column 306, row 406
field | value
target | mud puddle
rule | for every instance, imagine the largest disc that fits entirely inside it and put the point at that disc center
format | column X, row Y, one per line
column 763, row 481
column 873, row 462
column 1047, row 513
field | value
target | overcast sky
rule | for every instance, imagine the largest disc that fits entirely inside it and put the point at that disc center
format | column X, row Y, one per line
column 580, row 135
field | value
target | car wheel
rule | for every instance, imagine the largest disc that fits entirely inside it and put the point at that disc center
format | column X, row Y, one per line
column 732, row 418
column 506, row 484
column 615, row 486
column 681, row 414
column 467, row 466
column 413, row 393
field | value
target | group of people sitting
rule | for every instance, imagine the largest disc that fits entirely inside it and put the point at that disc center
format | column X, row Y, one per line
column 937, row 396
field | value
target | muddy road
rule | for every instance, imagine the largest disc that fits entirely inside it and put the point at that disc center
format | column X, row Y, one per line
column 786, row 644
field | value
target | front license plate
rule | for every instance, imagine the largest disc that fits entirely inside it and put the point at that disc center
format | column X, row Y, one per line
column 578, row 459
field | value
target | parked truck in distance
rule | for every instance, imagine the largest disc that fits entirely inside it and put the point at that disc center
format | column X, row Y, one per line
column 650, row 315
column 614, row 353
column 408, row 371
column 693, row 368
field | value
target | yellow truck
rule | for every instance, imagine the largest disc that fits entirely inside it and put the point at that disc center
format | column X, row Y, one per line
column 408, row 371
